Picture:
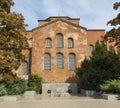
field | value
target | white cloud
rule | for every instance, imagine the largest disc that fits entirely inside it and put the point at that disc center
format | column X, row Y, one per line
column 93, row 13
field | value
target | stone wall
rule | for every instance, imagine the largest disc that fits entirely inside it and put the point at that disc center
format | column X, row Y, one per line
column 58, row 89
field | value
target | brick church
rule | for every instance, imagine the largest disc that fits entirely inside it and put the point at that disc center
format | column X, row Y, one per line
column 56, row 48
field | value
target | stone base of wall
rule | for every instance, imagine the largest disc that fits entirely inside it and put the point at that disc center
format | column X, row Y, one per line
column 29, row 94
column 89, row 93
column 11, row 98
column 59, row 89
column 111, row 97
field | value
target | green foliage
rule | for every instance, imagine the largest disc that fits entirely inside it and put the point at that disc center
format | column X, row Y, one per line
column 115, row 31
column 17, row 88
column 12, row 39
column 3, row 90
column 112, row 86
column 102, row 66
column 34, row 82
column 8, row 78
column 5, row 5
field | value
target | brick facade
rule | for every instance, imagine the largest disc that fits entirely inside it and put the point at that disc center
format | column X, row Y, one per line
column 49, row 28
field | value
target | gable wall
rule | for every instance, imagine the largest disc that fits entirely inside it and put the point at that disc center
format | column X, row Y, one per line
column 38, row 50
column 82, row 39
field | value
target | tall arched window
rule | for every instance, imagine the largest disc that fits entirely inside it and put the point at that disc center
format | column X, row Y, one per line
column 72, row 61
column 47, row 61
column 118, row 40
column 91, row 48
column 59, row 38
column 24, row 68
column 111, row 49
column 48, row 43
column 70, row 43
column 30, row 42
column 59, row 60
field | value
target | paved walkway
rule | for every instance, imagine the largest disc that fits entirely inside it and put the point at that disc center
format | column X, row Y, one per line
column 61, row 102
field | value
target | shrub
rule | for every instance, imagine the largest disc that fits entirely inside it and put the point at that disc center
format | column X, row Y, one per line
column 17, row 88
column 34, row 83
column 3, row 90
column 101, row 66
column 112, row 86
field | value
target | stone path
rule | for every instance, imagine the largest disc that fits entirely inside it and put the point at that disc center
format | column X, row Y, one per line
column 61, row 102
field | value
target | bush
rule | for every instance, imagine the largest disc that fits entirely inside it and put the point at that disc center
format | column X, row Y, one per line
column 34, row 83
column 3, row 90
column 112, row 86
column 19, row 87
column 103, row 65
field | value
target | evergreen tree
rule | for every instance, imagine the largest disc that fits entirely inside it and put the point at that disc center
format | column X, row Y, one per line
column 12, row 39
column 103, row 65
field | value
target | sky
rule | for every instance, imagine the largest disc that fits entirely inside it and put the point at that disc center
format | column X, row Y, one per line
column 93, row 14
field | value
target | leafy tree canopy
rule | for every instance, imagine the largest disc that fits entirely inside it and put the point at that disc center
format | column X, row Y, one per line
column 115, row 31
column 12, row 39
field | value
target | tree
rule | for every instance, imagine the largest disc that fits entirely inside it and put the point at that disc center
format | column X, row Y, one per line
column 115, row 31
column 12, row 39
column 103, row 65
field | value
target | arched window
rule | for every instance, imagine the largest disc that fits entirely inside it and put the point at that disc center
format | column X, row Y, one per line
column 91, row 48
column 30, row 42
column 24, row 68
column 59, row 60
column 70, row 43
column 48, row 43
column 59, row 38
column 118, row 40
column 47, row 61
column 72, row 60
column 111, row 49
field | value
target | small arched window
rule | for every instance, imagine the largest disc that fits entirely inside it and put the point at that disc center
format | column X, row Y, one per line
column 118, row 40
column 59, row 39
column 59, row 60
column 70, row 43
column 72, row 61
column 30, row 42
column 111, row 49
column 48, row 43
column 24, row 68
column 47, row 61
column 91, row 49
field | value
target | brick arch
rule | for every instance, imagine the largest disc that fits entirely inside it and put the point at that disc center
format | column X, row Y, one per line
column 47, row 61
column 59, row 60
column 70, row 42
column 48, row 42
column 72, row 61
column 59, row 40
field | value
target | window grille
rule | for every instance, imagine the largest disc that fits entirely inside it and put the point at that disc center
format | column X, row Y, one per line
column 47, row 62
column 70, row 43
column 30, row 43
column 24, row 68
column 118, row 40
column 72, row 60
column 59, row 60
column 91, row 49
column 48, row 43
column 59, row 41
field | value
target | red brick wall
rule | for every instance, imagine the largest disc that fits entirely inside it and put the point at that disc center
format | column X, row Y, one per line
column 82, row 39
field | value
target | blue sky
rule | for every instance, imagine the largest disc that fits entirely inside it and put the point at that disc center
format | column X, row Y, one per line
column 93, row 14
